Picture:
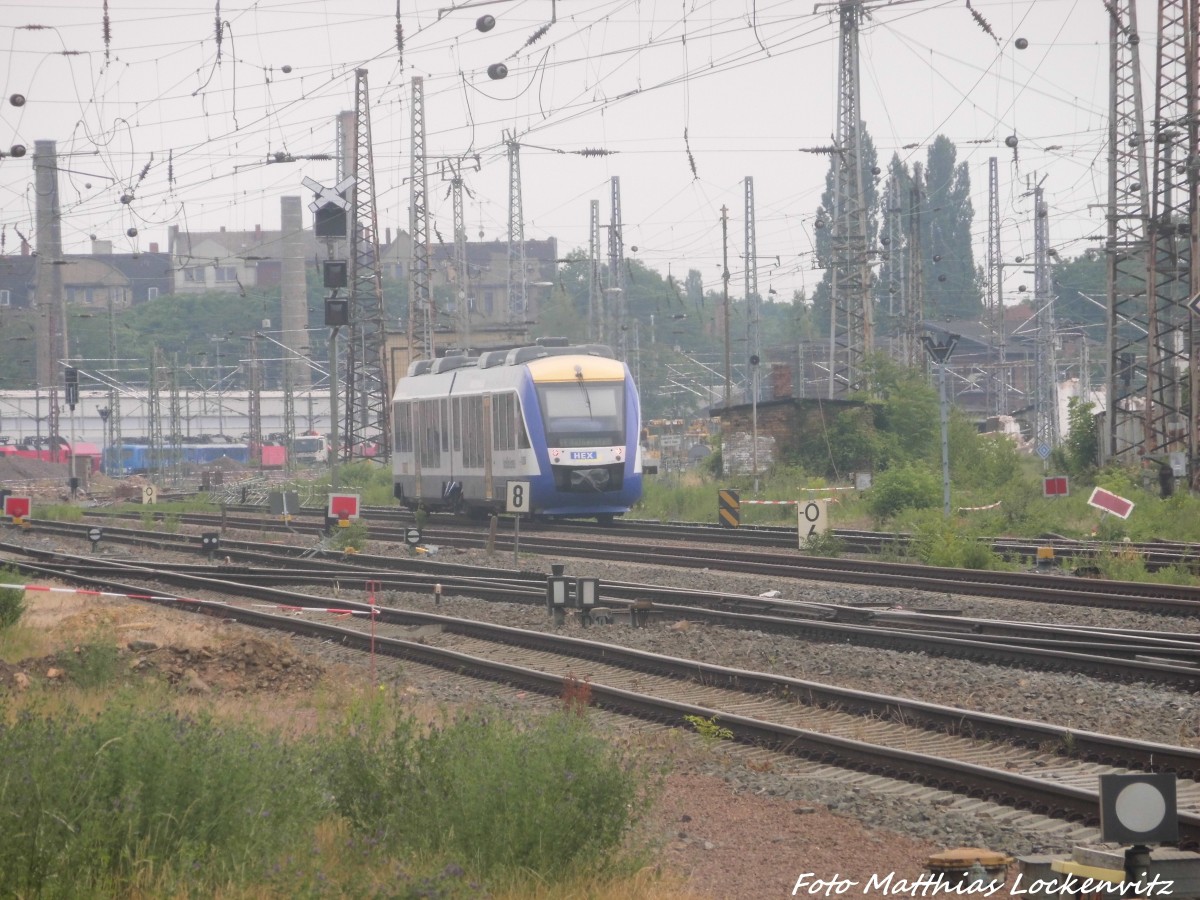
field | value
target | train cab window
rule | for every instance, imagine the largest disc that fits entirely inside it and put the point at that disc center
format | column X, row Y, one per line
column 583, row 414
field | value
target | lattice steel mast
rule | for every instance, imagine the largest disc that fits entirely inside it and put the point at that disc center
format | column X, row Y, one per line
column 175, row 413
column 367, row 413
column 597, row 324
column 254, row 376
column 851, row 319
column 48, row 284
column 1046, row 403
column 517, row 299
column 1125, row 244
column 753, row 300
column 155, row 450
column 616, row 265
column 998, row 386
column 462, row 275
column 1169, row 233
column 420, row 295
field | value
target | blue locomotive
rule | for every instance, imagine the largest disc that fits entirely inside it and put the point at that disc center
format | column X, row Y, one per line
column 564, row 419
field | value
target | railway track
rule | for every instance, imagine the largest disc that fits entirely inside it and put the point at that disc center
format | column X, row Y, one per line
column 1027, row 765
column 1171, row 659
column 1156, row 554
column 1163, row 599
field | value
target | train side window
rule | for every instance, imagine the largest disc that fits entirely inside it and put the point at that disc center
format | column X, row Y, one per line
column 427, row 426
column 500, row 419
column 444, row 418
column 456, row 406
column 473, row 432
column 403, row 427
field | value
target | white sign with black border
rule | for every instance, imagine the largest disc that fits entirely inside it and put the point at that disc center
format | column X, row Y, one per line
column 518, row 497
column 812, row 518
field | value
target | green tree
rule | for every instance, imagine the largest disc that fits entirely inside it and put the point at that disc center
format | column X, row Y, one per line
column 1080, row 452
column 951, row 281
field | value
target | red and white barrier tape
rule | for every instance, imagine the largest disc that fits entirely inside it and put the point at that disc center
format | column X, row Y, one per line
column 337, row 611
column 769, row 502
column 91, row 593
column 974, row 508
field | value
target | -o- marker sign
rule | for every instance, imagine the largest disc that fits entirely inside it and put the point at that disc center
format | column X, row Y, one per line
column 1138, row 809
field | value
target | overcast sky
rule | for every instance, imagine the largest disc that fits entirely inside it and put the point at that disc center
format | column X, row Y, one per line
column 184, row 123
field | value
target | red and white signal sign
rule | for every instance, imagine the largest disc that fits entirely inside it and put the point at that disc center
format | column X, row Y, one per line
column 1110, row 503
column 1056, row 486
column 343, row 506
column 17, row 507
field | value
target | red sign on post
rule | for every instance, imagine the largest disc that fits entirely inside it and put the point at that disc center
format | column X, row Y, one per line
column 17, row 507
column 1056, row 486
column 343, row 506
column 1111, row 503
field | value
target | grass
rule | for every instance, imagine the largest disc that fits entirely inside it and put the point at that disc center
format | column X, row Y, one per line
column 117, row 786
column 1022, row 511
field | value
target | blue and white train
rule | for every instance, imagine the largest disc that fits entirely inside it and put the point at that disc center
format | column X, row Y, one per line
column 564, row 419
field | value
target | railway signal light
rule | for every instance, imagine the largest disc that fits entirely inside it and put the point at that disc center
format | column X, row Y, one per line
column 337, row 313
column 210, row 542
column 72, row 387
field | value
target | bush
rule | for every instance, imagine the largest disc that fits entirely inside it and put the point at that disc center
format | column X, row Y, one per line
column 904, row 487
column 943, row 542
column 547, row 799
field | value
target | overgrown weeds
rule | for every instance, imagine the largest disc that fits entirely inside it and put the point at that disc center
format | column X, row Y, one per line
column 499, row 796
column 138, row 799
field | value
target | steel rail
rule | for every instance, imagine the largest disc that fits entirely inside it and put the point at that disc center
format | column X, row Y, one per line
column 1043, row 796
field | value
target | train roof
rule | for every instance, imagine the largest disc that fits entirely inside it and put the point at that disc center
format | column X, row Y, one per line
column 516, row 356
column 501, row 369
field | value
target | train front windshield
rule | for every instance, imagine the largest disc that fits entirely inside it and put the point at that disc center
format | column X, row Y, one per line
column 583, row 413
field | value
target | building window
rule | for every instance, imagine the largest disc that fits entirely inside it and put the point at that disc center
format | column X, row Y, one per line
column 84, row 296
column 194, row 273
column 5, row 298
column 152, row 293
column 225, row 274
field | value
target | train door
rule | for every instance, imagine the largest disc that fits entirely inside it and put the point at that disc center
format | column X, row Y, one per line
column 489, row 487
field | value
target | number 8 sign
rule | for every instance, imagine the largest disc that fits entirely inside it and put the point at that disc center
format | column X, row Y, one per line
column 518, row 497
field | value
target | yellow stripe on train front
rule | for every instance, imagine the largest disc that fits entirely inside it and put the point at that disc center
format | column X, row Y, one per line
column 562, row 368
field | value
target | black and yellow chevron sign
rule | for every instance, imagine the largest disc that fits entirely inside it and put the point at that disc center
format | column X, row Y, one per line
column 729, row 511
